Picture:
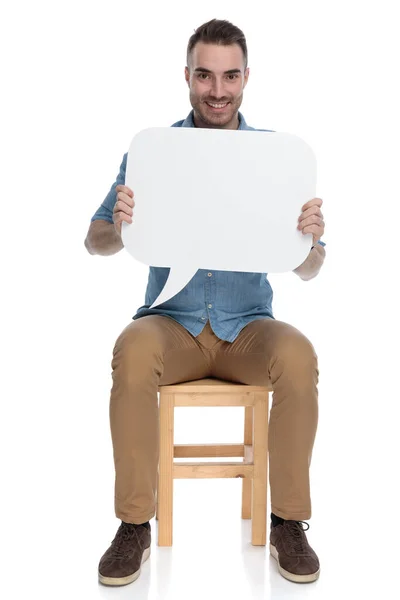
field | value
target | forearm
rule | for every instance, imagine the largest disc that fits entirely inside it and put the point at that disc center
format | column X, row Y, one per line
column 103, row 240
column 313, row 263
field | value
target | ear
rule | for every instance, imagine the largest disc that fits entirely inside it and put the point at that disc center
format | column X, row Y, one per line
column 187, row 75
column 246, row 76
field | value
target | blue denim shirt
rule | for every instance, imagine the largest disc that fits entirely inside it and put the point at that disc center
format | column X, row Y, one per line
column 228, row 299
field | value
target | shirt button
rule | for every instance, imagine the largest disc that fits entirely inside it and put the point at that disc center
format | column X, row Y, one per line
column 210, row 274
column 210, row 306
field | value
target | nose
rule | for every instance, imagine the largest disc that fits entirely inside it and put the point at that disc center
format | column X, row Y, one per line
column 217, row 89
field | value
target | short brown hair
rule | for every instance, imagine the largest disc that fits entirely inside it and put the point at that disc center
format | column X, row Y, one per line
column 218, row 32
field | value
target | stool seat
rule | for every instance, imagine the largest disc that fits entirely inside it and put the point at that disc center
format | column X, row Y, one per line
column 253, row 469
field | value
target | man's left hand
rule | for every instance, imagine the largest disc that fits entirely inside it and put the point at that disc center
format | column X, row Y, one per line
column 311, row 219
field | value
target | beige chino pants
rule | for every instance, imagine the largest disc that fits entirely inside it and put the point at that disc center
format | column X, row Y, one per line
column 157, row 350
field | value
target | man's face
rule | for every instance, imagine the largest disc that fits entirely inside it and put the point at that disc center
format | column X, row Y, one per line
column 216, row 76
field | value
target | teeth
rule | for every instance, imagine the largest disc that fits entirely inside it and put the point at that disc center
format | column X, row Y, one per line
column 217, row 105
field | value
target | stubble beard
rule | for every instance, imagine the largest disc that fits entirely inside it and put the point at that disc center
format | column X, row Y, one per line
column 215, row 120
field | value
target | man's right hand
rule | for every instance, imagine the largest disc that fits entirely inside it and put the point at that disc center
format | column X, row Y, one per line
column 123, row 208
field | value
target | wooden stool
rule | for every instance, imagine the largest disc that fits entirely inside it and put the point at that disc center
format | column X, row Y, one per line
column 254, row 450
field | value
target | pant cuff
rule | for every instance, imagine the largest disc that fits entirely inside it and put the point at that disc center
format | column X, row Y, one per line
column 136, row 520
column 290, row 516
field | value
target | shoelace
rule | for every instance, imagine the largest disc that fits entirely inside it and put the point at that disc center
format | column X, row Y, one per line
column 294, row 533
column 122, row 541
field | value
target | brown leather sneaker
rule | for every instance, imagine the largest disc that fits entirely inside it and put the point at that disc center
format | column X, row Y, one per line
column 297, row 561
column 121, row 563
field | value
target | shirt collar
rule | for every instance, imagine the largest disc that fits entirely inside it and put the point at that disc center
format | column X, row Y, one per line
column 189, row 122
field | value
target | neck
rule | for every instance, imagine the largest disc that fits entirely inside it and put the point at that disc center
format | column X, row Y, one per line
column 198, row 122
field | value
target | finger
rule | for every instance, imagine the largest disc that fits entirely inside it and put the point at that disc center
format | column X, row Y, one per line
column 314, row 219
column 121, row 207
column 311, row 220
column 125, row 199
column 125, row 189
column 314, row 229
column 126, row 218
column 314, row 210
column 313, row 202
column 119, row 217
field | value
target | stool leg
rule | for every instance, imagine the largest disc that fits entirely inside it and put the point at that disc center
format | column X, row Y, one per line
column 260, row 445
column 158, row 475
column 158, row 479
column 247, row 483
column 165, row 472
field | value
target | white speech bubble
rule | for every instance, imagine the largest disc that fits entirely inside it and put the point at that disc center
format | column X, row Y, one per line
column 227, row 200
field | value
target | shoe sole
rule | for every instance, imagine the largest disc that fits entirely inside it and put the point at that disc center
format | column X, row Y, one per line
column 292, row 576
column 128, row 578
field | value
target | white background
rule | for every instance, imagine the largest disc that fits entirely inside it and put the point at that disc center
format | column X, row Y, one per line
column 79, row 79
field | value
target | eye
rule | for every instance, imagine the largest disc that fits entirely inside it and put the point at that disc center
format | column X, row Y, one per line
column 202, row 74
column 234, row 75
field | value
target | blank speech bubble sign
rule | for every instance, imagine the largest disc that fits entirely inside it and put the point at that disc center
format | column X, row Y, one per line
column 227, row 200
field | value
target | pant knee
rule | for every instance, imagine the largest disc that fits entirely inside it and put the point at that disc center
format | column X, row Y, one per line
column 296, row 355
column 136, row 351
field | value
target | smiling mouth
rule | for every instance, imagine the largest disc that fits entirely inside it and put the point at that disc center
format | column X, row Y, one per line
column 217, row 107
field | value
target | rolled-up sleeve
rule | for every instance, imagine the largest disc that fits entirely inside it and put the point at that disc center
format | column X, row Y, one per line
column 105, row 210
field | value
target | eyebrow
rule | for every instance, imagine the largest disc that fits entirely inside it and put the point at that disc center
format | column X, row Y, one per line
column 203, row 70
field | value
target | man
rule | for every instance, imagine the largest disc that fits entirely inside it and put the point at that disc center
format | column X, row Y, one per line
column 206, row 331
